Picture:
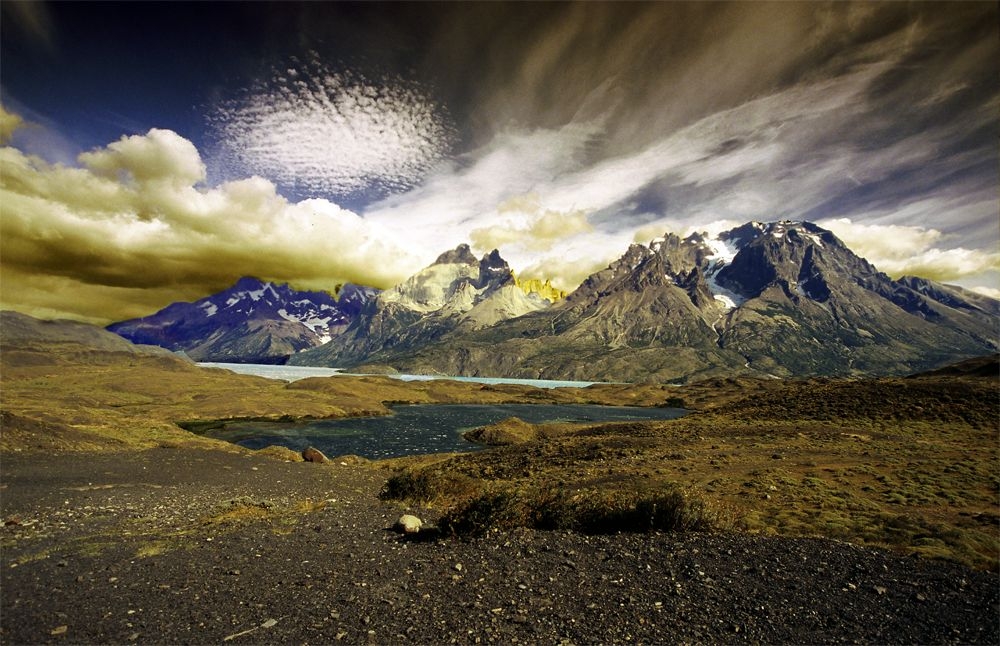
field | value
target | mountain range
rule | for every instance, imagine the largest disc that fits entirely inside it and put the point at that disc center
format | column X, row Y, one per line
column 251, row 322
column 779, row 299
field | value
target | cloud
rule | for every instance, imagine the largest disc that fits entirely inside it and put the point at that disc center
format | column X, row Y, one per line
column 987, row 291
column 902, row 250
column 524, row 223
column 157, row 156
column 741, row 144
column 566, row 274
column 131, row 229
column 653, row 230
column 9, row 122
column 844, row 126
column 34, row 22
column 322, row 132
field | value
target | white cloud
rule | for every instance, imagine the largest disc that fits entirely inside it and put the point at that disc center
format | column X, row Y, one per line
column 552, row 165
column 323, row 132
column 992, row 292
column 911, row 250
column 523, row 223
column 133, row 218
column 159, row 155
column 9, row 122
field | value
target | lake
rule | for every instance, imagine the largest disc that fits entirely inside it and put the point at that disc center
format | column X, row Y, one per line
column 294, row 373
column 417, row 429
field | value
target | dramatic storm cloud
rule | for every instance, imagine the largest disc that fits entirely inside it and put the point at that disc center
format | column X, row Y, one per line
column 323, row 142
column 132, row 225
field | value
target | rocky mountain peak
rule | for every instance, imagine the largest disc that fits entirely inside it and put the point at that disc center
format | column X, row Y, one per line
column 460, row 255
column 254, row 320
column 494, row 271
column 247, row 283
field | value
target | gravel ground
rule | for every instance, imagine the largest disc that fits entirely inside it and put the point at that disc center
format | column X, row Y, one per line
column 185, row 546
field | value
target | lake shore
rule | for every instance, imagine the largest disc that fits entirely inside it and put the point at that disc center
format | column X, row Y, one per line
column 119, row 526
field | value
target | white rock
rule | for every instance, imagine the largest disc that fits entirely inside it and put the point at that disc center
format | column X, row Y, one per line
column 408, row 524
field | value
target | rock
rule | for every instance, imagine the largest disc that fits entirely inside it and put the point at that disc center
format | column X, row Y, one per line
column 314, row 455
column 408, row 524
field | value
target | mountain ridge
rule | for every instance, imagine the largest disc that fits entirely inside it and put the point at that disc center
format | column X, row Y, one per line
column 776, row 299
column 254, row 321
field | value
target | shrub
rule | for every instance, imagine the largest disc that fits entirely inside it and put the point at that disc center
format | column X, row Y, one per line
column 427, row 486
column 588, row 512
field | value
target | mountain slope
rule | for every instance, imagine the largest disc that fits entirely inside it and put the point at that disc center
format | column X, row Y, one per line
column 18, row 331
column 456, row 292
column 780, row 299
column 253, row 322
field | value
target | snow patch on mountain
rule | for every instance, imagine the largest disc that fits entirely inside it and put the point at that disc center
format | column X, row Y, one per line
column 726, row 297
column 722, row 253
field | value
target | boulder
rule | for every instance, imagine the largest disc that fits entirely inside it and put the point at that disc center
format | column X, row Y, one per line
column 314, row 455
column 408, row 524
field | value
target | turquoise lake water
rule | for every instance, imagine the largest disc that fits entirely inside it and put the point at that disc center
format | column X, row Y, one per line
column 293, row 373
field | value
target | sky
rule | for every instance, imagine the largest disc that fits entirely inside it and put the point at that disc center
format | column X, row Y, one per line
column 156, row 152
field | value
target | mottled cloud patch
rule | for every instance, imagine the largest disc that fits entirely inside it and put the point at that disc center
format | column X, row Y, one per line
column 132, row 229
column 322, row 132
column 900, row 250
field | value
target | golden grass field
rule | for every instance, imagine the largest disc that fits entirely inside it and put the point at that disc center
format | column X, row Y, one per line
column 910, row 464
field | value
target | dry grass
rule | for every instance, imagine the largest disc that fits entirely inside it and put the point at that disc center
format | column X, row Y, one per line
column 906, row 464
column 911, row 464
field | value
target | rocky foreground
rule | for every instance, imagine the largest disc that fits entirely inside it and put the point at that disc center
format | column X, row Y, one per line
column 202, row 546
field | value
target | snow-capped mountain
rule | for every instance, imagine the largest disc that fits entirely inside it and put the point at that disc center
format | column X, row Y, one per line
column 767, row 299
column 253, row 321
column 457, row 291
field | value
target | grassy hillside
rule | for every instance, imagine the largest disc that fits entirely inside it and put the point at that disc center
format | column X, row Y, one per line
column 910, row 464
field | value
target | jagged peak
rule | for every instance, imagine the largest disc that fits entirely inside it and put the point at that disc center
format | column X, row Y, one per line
column 460, row 255
column 494, row 261
column 248, row 283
